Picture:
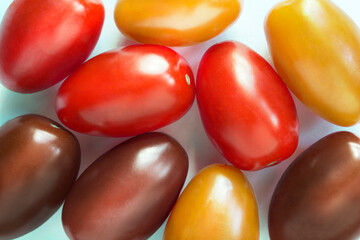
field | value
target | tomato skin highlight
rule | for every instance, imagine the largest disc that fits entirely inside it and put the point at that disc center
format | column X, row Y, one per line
column 318, row 195
column 43, row 41
column 175, row 22
column 316, row 50
column 217, row 204
column 247, row 111
column 126, row 92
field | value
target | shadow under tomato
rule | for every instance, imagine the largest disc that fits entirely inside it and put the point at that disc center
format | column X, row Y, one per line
column 307, row 119
column 264, row 183
column 124, row 42
column 93, row 147
column 13, row 104
column 189, row 132
column 193, row 54
column 265, row 180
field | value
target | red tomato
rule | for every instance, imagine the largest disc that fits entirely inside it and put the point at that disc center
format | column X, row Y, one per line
column 246, row 109
column 127, row 92
column 43, row 41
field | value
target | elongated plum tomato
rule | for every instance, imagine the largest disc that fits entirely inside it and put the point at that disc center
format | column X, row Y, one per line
column 43, row 41
column 127, row 91
column 175, row 22
column 128, row 192
column 246, row 109
column 318, row 196
column 316, row 50
column 39, row 162
column 217, row 204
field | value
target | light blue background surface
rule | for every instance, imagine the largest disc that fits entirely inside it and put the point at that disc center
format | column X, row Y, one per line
column 188, row 131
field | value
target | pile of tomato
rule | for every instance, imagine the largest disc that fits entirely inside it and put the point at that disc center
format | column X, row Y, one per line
column 245, row 106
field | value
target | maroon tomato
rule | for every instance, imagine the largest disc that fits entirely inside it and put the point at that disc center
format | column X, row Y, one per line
column 318, row 196
column 43, row 41
column 39, row 163
column 246, row 109
column 128, row 192
column 127, row 91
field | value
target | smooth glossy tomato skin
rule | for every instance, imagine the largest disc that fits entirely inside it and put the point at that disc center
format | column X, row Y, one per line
column 318, row 196
column 175, row 22
column 247, row 111
column 43, row 41
column 39, row 162
column 217, row 204
column 316, row 50
column 127, row 91
column 128, row 192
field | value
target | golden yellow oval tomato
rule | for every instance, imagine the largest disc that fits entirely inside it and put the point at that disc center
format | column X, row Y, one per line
column 175, row 22
column 217, row 204
column 316, row 50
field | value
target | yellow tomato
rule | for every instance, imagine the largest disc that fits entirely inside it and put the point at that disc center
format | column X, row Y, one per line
column 316, row 50
column 218, row 204
column 175, row 22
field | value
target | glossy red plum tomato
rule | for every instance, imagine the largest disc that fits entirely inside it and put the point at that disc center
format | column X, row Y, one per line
column 39, row 162
column 128, row 192
column 128, row 91
column 318, row 196
column 43, row 41
column 247, row 111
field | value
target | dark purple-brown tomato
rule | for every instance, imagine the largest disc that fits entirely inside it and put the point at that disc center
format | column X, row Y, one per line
column 39, row 162
column 128, row 192
column 318, row 197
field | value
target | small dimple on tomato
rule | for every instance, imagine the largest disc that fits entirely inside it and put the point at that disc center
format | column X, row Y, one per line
column 316, row 50
column 217, row 204
column 175, row 22
column 246, row 109
column 127, row 91
column 43, row 41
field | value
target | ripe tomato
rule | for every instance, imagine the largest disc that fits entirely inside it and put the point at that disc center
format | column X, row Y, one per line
column 246, row 109
column 217, row 204
column 318, row 196
column 175, row 22
column 43, row 41
column 316, row 50
column 133, row 188
column 39, row 163
column 127, row 91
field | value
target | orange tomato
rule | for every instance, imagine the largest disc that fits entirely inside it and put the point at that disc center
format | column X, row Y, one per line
column 175, row 22
column 316, row 50
column 217, row 204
